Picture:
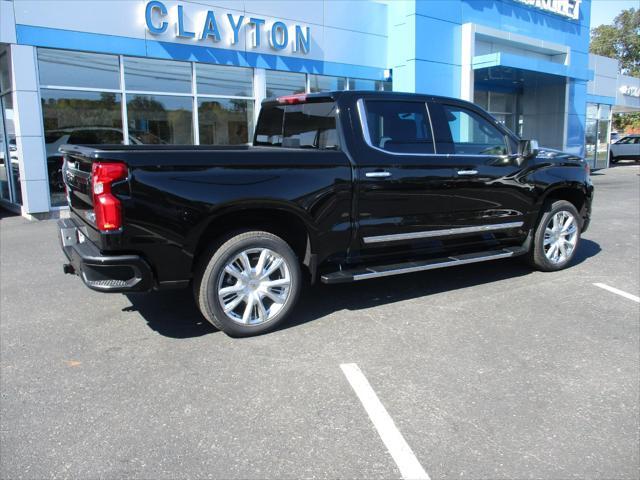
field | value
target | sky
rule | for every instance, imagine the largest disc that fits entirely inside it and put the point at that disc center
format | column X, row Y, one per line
column 604, row 11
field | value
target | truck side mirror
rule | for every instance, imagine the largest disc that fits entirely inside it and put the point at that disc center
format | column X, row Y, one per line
column 528, row 149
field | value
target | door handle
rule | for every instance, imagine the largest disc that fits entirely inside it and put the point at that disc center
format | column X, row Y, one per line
column 377, row 174
column 467, row 172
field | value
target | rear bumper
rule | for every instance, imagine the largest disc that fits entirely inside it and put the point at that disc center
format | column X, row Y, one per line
column 103, row 273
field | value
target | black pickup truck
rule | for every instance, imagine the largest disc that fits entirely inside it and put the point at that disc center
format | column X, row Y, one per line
column 340, row 187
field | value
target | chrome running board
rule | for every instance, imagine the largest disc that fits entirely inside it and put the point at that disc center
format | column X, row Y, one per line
column 365, row 273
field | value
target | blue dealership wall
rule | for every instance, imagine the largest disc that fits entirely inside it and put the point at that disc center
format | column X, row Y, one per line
column 426, row 52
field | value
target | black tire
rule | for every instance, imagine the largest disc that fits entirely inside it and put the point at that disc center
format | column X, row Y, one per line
column 208, row 275
column 612, row 159
column 537, row 256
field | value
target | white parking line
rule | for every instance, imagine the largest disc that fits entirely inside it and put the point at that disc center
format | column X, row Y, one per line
column 618, row 292
column 399, row 449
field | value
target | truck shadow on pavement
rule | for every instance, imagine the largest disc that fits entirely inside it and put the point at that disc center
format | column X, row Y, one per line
column 173, row 313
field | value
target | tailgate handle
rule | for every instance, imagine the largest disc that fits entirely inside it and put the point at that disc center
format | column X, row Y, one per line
column 467, row 172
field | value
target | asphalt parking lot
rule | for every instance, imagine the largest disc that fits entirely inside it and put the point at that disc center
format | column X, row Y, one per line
column 488, row 370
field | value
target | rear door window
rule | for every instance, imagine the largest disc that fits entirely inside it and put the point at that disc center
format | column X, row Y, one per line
column 400, row 127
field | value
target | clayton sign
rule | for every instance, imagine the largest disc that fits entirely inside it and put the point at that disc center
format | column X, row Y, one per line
column 566, row 8
column 226, row 28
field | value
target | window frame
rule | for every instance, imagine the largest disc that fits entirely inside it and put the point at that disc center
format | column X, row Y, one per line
column 366, row 134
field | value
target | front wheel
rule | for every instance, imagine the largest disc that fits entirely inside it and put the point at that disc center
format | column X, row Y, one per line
column 612, row 158
column 249, row 284
column 556, row 237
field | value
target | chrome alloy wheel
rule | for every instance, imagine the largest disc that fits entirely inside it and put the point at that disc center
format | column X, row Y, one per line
column 254, row 286
column 560, row 237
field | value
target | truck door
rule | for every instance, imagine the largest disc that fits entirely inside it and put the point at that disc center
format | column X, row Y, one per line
column 414, row 199
column 486, row 168
column 403, row 186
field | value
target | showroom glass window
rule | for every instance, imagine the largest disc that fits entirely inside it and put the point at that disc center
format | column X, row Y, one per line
column 81, row 100
column 323, row 83
column 164, row 115
column 284, row 83
column 225, row 104
column 78, row 69
column 376, row 85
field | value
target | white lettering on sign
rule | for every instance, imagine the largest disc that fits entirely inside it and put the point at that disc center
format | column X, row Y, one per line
column 566, row 8
column 630, row 91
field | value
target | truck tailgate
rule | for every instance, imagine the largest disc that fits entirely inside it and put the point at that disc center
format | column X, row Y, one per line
column 76, row 173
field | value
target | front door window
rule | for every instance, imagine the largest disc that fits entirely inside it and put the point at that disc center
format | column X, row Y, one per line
column 469, row 134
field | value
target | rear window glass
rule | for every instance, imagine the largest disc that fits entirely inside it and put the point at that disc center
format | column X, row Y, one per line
column 401, row 127
column 307, row 125
column 96, row 136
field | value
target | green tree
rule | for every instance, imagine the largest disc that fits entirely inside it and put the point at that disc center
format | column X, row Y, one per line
column 622, row 42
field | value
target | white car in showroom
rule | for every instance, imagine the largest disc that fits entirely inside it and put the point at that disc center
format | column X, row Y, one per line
column 627, row 148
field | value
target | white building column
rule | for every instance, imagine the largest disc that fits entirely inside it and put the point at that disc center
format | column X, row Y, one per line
column 259, row 91
column 467, row 77
column 29, row 131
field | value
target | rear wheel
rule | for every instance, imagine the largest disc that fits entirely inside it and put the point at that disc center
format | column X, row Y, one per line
column 249, row 284
column 556, row 237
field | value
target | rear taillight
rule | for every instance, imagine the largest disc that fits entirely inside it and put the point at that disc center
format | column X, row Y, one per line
column 292, row 99
column 105, row 205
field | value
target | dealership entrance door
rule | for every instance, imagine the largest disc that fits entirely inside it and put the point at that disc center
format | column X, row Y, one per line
column 531, row 104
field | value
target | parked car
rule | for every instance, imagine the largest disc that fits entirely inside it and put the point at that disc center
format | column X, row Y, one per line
column 337, row 187
column 627, row 148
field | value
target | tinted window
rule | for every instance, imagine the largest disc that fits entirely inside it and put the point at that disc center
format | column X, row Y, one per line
column 270, row 126
column 399, row 126
column 462, row 131
column 309, row 125
column 97, row 136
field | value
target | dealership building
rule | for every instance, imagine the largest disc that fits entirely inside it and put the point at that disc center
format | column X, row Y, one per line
column 196, row 72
